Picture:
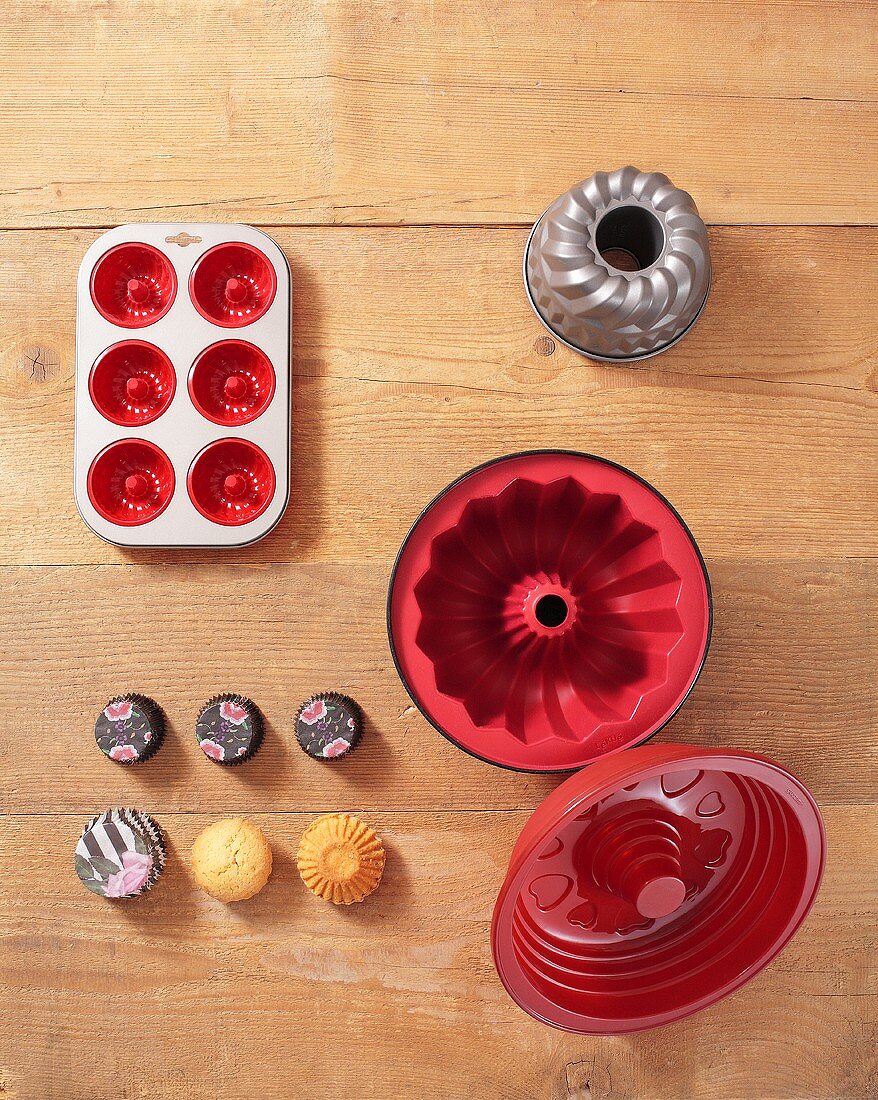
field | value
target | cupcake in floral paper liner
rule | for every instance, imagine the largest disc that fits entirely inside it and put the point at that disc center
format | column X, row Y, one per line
column 130, row 728
column 121, row 854
column 229, row 729
column 329, row 725
column 340, row 859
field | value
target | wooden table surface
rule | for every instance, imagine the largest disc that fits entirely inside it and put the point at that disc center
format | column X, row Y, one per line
column 398, row 151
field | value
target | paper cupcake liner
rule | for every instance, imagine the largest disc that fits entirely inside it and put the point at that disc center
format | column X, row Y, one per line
column 318, row 730
column 220, row 732
column 154, row 715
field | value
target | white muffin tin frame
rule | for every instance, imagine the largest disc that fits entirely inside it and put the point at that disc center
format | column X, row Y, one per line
column 182, row 431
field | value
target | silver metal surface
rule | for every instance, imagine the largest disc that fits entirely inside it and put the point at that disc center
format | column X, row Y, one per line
column 182, row 431
column 618, row 267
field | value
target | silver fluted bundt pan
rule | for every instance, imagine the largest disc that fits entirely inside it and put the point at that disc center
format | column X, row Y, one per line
column 618, row 268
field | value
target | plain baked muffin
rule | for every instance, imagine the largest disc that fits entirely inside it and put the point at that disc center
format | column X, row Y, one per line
column 231, row 859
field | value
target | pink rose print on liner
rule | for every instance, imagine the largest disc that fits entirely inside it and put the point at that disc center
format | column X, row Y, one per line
column 338, row 747
column 132, row 878
column 123, row 752
column 118, row 712
column 211, row 749
column 232, row 712
column 313, row 713
column 241, row 750
column 350, row 723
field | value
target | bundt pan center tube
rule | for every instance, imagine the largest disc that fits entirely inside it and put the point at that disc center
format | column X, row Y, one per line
column 549, row 608
column 653, row 884
column 618, row 267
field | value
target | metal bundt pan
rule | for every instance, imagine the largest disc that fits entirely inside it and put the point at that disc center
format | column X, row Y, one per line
column 618, row 267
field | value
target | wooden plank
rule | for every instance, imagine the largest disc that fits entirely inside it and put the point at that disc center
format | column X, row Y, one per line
column 790, row 674
column 417, row 357
column 390, row 112
column 175, row 995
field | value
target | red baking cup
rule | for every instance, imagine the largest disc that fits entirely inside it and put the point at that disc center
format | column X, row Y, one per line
column 131, row 482
column 231, row 382
column 232, row 284
column 132, row 383
column 549, row 608
column 231, row 482
column 653, row 884
column 133, row 285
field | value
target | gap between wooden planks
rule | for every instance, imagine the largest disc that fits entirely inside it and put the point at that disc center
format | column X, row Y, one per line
column 416, row 357
column 425, row 112
column 405, row 983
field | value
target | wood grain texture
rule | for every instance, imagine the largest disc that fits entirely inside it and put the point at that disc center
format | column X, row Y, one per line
column 396, row 998
column 430, row 112
column 397, row 149
column 416, row 357
column 793, row 648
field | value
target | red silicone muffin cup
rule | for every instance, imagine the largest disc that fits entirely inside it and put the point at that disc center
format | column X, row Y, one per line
column 232, row 382
column 132, row 383
column 131, row 482
column 133, row 285
column 653, row 884
column 233, row 284
column 549, row 608
column 231, row 482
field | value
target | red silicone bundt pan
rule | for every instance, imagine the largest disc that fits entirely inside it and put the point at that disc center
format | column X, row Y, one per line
column 231, row 482
column 653, row 884
column 549, row 608
column 133, row 285
column 232, row 382
column 132, row 383
column 233, row 284
column 131, row 482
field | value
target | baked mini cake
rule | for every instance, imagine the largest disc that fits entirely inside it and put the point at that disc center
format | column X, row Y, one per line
column 229, row 729
column 329, row 725
column 130, row 728
column 231, row 859
column 340, row 859
column 120, row 854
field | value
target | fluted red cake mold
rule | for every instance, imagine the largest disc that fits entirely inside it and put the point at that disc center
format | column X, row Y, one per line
column 131, row 482
column 132, row 383
column 653, row 884
column 231, row 482
column 195, row 373
column 548, row 608
column 233, row 284
column 133, row 285
column 232, row 382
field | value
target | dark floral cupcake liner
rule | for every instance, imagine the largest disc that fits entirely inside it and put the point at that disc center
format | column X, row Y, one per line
column 329, row 726
column 130, row 729
column 229, row 729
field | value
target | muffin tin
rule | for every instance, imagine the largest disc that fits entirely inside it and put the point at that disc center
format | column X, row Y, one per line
column 183, row 385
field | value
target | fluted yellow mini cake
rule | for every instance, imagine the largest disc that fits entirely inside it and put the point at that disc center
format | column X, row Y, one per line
column 231, row 859
column 340, row 859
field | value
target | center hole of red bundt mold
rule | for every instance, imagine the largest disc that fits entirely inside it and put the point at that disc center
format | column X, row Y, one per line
column 236, row 290
column 136, row 486
column 235, row 486
column 551, row 610
column 629, row 238
column 138, row 290
column 660, row 897
column 137, row 388
column 235, row 387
